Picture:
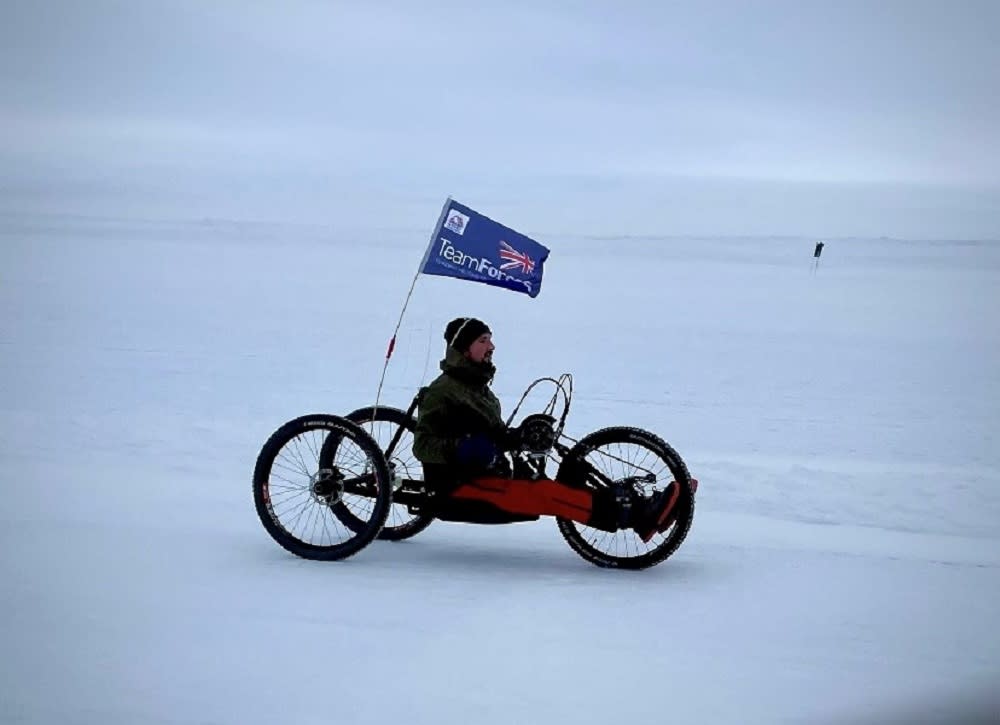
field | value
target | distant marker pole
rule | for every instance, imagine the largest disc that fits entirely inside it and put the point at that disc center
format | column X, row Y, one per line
column 816, row 254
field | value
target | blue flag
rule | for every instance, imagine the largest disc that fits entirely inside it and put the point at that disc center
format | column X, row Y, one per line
column 468, row 245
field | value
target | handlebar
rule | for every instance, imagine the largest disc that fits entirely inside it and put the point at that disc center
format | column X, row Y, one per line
column 539, row 431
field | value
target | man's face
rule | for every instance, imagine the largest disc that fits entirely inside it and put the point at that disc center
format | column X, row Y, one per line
column 481, row 350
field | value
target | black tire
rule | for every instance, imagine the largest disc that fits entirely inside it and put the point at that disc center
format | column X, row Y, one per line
column 382, row 424
column 624, row 549
column 293, row 492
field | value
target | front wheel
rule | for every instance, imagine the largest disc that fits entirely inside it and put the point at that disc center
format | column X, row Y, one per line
column 295, row 493
column 650, row 464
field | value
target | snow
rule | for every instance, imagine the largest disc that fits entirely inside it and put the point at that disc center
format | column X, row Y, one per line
column 843, row 422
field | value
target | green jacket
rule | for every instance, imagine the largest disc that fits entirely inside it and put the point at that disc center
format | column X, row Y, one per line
column 457, row 403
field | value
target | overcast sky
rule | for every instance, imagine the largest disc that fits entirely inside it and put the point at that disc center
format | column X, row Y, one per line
column 826, row 119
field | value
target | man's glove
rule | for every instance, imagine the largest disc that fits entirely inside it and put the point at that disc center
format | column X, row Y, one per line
column 476, row 450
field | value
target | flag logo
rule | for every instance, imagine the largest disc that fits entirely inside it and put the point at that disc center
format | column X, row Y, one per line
column 456, row 222
column 513, row 259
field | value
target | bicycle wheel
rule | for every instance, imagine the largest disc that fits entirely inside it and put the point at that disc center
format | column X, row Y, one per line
column 393, row 427
column 294, row 491
column 649, row 464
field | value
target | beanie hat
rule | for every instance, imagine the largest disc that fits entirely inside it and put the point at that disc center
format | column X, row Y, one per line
column 463, row 331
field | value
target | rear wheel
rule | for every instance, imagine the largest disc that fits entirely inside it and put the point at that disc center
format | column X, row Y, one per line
column 295, row 492
column 649, row 464
column 390, row 427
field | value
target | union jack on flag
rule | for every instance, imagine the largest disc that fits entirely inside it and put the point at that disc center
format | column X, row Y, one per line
column 513, row 259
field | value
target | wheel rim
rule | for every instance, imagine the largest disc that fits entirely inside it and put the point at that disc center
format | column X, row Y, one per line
column 301, row 494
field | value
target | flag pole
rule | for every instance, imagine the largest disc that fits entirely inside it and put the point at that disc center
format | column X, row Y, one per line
column 406, row 302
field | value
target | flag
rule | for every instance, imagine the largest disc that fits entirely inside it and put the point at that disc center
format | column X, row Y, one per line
column 467, row 245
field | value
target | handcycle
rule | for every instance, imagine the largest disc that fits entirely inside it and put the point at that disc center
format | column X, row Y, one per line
column 326, row 486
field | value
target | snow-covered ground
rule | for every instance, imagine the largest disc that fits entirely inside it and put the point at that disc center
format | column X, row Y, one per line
column 843, row 422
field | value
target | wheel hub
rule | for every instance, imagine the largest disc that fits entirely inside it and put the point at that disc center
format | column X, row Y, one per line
column 326, row 485
column 395, row 476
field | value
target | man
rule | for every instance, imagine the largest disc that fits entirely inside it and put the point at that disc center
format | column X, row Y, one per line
column 460, row 439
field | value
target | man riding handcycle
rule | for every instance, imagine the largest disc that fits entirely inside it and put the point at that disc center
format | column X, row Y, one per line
column 326, row 486
column 462, row 442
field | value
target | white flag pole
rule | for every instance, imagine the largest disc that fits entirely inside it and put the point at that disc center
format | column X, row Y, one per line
column 406, row 302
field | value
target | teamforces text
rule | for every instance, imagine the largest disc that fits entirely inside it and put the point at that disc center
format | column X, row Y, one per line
column 482, row 265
